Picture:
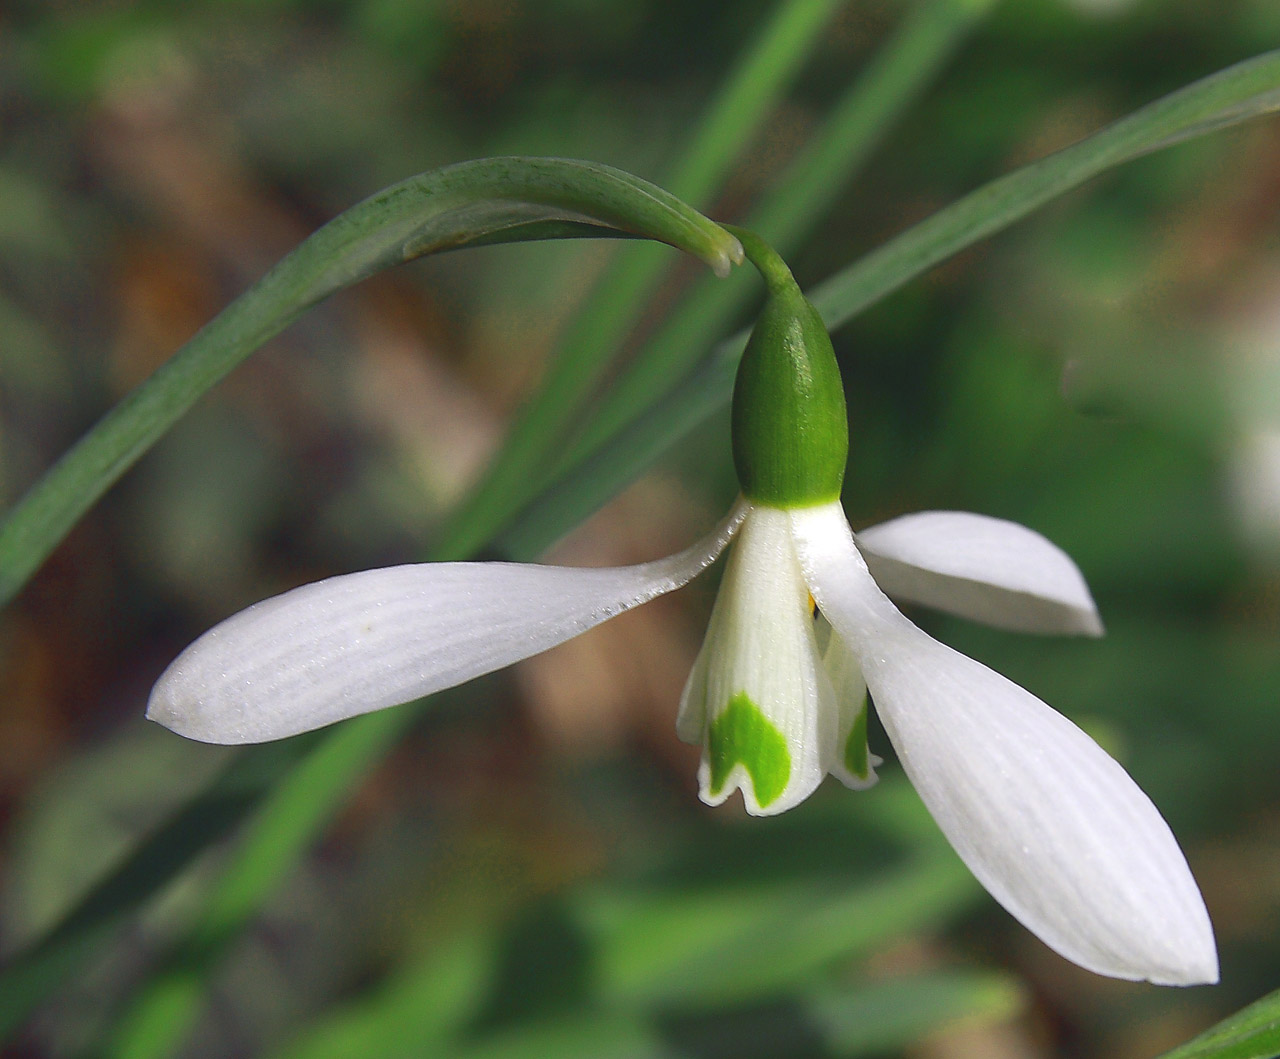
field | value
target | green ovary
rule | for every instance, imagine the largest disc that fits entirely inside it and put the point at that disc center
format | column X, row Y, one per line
column 742, row 734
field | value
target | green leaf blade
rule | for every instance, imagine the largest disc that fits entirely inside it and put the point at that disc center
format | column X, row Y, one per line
column 617, row 303
column 471, row 203
column 1247, row 90
column 1251, row 1033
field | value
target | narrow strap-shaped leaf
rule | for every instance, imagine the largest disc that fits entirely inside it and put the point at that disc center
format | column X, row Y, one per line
column 1249, row 89
column 734, row 117
column 1252, row 1032
column 280, row 831
column 618, row 299
column 821, row 172
column 893, row 79
column 862, row 1019
column 1246, row 90
column 473, row 203
column 652, row 944
column 883, row 1017
column 774, row 951
column 210, row 816
column 1235, row 94
column 420, row 1008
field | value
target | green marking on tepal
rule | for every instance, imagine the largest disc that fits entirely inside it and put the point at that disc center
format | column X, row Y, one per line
column 742, row 734
column 855, row 747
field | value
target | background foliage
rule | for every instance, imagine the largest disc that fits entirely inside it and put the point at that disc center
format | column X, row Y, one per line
column 530, row 873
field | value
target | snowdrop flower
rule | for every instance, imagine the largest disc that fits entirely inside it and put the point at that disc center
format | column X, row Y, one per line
column 1052, row 826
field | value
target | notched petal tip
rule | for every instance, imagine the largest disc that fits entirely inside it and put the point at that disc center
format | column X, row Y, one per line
column 758, row 698
column 859, row 781
column 745, row 747
column 853, row 764
column 763, row 794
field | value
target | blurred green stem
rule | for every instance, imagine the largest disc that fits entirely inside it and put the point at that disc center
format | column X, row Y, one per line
column 492, row 200
column 1253, row 1032
column 1247, row 90
column 821, row 172
column 165, row 1007
column 163, row 1010
column 300, row 805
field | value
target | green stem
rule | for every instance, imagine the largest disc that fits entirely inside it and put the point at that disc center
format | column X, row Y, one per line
column 1233, row 95
column 474, row 203
column 1246, row 90
column 777, row 276
column 820, row 173
column 616, row 304
column 165, row 1007
column 278, row 835
column 41, row 967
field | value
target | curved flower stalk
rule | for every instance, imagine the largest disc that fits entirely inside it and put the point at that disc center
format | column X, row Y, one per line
column 1053, row 827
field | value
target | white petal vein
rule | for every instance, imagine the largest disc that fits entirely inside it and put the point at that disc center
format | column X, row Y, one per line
column 364, row 641
column 982, row 568
column 1053, row 827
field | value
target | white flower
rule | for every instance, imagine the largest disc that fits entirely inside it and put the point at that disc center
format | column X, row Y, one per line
column 1047, row 821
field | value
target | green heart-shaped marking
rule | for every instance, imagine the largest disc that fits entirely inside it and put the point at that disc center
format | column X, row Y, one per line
column 742, row 734
column 855, row 747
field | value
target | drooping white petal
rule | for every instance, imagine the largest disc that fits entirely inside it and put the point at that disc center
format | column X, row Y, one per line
column 1052, row 826
column 854, row 765
column 361, row 642
column 758, row 698
column 987, row 569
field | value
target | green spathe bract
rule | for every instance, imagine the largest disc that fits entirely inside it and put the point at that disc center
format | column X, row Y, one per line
column 479, row 203
column 790, row 430
column 744, row 735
